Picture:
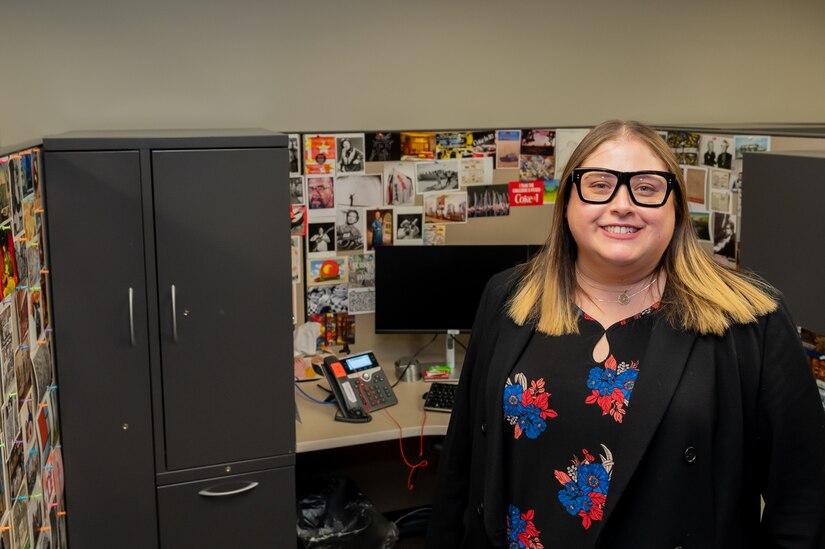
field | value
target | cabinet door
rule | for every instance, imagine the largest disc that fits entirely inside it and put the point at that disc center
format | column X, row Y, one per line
column 222, row 239
column 96, row 261
column 250, row 510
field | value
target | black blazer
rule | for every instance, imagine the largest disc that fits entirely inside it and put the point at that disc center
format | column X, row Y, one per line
column 717, row 422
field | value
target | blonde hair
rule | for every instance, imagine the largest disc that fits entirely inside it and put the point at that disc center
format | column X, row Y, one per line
column 700, row 295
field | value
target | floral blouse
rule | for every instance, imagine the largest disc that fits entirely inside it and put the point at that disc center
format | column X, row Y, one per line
column 565, row 411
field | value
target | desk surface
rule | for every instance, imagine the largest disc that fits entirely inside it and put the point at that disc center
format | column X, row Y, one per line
column 319, row 431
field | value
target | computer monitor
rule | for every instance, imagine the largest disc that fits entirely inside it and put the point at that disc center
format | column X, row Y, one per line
column 436, row 289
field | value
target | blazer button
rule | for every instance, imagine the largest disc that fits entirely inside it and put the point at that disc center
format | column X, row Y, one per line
column 480, row 509
column 690, row 454
column 484, row 428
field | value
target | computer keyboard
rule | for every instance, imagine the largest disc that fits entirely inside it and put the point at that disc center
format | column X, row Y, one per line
column 440, row 397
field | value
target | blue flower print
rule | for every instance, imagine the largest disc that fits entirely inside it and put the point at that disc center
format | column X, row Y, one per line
column 573, row 499
column 517, row 524
column 592, row 477
column 512, row 400
column 531, row 422
column 626, row 381
column 601, row 380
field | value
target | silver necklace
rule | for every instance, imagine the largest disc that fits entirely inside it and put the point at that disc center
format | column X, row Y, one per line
column 624, row 298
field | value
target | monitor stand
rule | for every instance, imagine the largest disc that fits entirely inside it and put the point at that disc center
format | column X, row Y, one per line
column 443, row 370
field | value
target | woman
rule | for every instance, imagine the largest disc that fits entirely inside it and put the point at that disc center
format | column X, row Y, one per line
column 623, row 390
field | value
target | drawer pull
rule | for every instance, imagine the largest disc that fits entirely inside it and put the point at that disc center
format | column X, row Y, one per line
column 209, row 493
column 132, row 316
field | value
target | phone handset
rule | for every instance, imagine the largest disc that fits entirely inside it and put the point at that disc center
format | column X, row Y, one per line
column 351, row 409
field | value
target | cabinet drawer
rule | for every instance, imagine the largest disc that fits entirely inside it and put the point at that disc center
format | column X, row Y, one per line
column 249, row 510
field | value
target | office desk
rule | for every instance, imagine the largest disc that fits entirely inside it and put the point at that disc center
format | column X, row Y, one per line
column 319, row 431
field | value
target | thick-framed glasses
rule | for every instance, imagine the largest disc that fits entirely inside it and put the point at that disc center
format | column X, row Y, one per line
column 647, row 188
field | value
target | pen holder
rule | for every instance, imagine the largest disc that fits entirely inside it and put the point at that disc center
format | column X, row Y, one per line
column 402, row 372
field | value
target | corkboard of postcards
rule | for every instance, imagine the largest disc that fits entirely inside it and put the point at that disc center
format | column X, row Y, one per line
column 351, row 192
column 31, row 488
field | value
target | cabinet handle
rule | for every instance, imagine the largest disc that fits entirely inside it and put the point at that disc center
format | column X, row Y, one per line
column 210, row 494
column 132, row 315
column 174, row 317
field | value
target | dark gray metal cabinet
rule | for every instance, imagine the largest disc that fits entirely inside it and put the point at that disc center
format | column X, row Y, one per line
column 172, row 314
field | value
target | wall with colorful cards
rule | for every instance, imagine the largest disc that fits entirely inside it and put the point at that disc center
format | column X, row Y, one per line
column 352, row 192
column 31, row 484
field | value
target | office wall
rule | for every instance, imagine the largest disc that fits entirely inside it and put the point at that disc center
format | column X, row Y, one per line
column 388, row 64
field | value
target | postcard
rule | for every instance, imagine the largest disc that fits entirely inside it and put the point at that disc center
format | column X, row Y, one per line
column 349, row 148
column 716, row 151
column 361, row 270
column 446, row 208
column 409, row 224
column 332, row 270
column 361, row 300
column 383, row 147
column 319, row 154
column 685, row 146
column 358, row 191
column 330, row 298
column 321, row 238
column 440, row 175
column 297, row 246
column 751, row 143
column 696, row 185
column 538, row 142
column 418, row 145
column 566, row 142
column 476, row 171
column 379, row 227
column 294, row 147
column 488, row 201
column 535, row 167
column 298, row 220
column 453, row 145
column 435, row 234
column 399, row 183
column 701, row 224
column 724, row 238
column 484, row 143
column 526, row 193
column 350, row 227
column 508, row 148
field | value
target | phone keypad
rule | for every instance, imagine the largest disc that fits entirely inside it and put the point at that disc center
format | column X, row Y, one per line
column 377, row 393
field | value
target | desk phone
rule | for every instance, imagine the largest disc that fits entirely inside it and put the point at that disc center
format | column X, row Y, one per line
column 359, row 385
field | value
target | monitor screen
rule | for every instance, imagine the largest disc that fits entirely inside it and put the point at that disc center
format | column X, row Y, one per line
column 432, row 289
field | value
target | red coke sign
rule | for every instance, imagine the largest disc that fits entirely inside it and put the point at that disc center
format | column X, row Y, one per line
column 526, row 193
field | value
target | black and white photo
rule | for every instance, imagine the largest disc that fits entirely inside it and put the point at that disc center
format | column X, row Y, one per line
column 321, row 237
column 437, row 176
column 358, row 191
column 296, row 189
column 399, row 183
column 350, row 228
column 350, row 149
column 294, row 148
column 409, row 225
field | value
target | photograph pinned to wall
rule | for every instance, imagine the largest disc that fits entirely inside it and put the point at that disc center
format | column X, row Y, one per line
column 696, row 186
column 751, row 143
column 23, row 370
column 8, row 273
column 350, row 150
column 445, row 208
column 331, row 298
column 361, row 300
column 508, row 148
column 11, row 424
column 551, row 191
column 326, row 271
column 361, row 270
column 20, row 521
column 383, row 147
column 488, row 201
column 29, row 223
column 5, row 527
column 417, row 145
column 320, row 192
column 350, row 228
column 736, row 181
column 701, row 224
column 35, row 318
column 453, row 145
column 535, row 167
column 379, row 227
column 526, row 193
column 476, row 171
column 321, row 237
column 724, row 238
column 297, row 246
column 296, row 189
column 36, row 515
column 26, row 183
column 712, row 148
column 21, row 301
column 319, row 154
column 399, row 184
column 441, row 175
column 435, row 234
column 540, row 142
column 336, row 329
column 685, row 145
column 5, row 189
column 22, row 260
column 409, row 224
column 297, row 220
column 720, row 201
column 16, row 194
column 719, row 180
column 294, row 148
column 566, row 142
column 484, row 143
column 358, row 191
column 7, row 350
column 37, row 169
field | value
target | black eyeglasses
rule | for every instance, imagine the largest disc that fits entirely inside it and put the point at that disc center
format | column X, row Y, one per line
column 648, row 188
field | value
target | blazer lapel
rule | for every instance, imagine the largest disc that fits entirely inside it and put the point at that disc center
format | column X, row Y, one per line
column 661, row 370
column 511, row 342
